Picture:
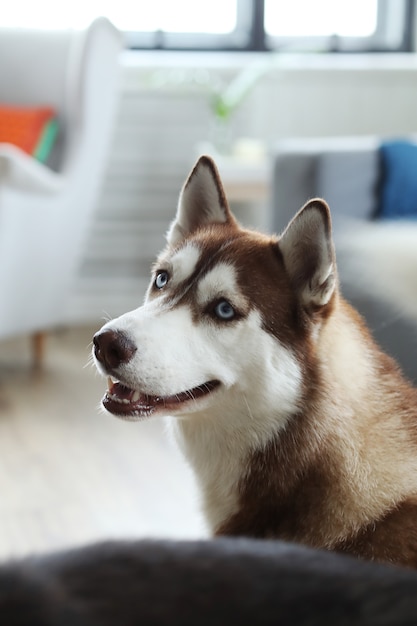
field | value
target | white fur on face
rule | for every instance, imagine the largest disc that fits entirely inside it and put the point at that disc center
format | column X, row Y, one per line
column 175, row 354
column 221, row 281
column 184, row 262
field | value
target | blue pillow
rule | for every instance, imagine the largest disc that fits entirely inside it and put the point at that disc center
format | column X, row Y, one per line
column 398, row 191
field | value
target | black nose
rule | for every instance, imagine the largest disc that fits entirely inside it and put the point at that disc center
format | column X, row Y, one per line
column 112, row 348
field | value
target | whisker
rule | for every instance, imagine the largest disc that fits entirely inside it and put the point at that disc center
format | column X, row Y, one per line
column 247, row 406
column 106, row 317
column 90, row 362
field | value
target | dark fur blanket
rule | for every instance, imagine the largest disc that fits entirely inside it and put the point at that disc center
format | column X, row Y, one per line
column 225, row 581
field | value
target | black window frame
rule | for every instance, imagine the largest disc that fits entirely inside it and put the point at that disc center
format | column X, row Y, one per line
column 250, row 35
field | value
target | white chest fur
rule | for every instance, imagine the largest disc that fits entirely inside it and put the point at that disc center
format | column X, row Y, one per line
column 218, row 463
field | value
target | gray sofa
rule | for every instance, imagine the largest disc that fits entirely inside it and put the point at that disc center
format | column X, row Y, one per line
column 346, row 173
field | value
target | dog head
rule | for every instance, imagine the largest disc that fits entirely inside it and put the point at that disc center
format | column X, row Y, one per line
column 228, row 310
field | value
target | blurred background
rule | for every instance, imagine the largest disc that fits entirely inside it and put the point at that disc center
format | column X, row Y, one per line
column 104, row 108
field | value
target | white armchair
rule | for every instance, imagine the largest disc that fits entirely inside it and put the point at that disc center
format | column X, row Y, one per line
column 46, row 211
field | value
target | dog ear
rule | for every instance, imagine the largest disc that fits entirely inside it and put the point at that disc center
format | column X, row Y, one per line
column 202, row 201
column 309, row 256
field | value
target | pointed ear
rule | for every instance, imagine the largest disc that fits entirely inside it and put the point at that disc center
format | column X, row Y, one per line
column 309, row 256
column 202, row 202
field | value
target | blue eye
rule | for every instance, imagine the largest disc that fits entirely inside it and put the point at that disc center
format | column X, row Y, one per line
column 161, row 279
column 224, row 310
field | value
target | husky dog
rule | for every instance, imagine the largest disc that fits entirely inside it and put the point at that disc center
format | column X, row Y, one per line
column 297, row 425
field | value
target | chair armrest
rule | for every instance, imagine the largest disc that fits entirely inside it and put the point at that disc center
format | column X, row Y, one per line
column 20, row 171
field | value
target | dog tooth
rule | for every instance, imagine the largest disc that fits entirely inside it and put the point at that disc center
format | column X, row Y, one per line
column 136, row 396
column 109, row 383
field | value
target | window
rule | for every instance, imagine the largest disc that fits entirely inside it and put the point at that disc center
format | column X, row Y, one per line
column 286, row 25
column 341, row 25
column 303, row 18
column 188, row 24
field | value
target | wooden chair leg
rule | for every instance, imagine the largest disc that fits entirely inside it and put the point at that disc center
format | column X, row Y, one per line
column 38, row 349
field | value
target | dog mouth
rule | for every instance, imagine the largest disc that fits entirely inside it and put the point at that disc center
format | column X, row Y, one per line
column 130, row 403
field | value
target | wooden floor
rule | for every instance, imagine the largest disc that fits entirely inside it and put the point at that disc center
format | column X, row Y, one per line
column 69, row 474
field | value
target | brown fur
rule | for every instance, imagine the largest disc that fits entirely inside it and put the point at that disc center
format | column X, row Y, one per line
column 295, row 489
column 391, row 539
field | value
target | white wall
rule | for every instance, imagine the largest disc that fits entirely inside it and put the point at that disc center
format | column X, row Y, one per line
column 159, row 126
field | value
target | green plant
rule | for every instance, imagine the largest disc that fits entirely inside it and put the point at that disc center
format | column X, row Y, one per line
column 225, row 101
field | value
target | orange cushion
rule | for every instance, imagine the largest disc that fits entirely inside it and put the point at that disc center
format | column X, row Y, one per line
column 23, row 126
